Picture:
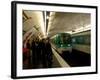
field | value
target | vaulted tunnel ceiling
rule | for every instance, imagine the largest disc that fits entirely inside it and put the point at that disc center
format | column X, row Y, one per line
column 63, row 22
column 34, row 22
column 57, row 22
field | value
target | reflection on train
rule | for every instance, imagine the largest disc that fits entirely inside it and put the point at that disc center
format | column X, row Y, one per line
column 62, row 42
column 81, row 41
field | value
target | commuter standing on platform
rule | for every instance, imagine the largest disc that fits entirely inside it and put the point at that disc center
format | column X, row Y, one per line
column 29, row 54
column 44, row 54
column 49, row 53
column 37, row 52
column 28, row 44
column 33, row 54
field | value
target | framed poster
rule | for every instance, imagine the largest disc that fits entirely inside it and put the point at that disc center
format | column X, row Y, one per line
column 53, row 39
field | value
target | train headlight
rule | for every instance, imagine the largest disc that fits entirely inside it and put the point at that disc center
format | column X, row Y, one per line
column 69, row 45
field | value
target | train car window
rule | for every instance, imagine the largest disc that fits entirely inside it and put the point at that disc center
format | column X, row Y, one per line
column 82, row 39
column 87, row 39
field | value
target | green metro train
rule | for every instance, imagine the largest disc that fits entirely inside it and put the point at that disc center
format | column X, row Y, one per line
column 66, row 42
column 63, row 42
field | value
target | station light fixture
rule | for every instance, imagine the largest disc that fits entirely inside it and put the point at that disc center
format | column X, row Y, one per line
column 81, row 29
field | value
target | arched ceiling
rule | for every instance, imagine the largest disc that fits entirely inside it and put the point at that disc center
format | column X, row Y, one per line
column 65, row 22
column 55, row 22
column 33, row 21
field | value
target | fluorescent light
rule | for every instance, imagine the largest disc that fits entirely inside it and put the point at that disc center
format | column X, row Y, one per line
column 47, row 17
column 81, row 29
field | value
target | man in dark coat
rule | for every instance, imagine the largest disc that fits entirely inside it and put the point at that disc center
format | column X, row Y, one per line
column 49, row 53
column 28, row 44
column 43, row 54
column 38, row 53
column 46, row 54
column 33, row 47
column 29, row 53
